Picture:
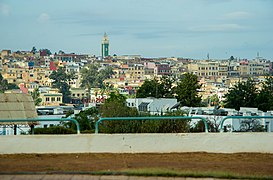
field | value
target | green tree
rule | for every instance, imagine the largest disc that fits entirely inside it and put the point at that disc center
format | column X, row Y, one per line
column 174, row 126
column 53, row 130
column 115, row 106
column 33, row 50
column 187, row 90
column 36, row 97
column 231, row 58
column 89, row 76
column 150, row 88
column 161, row 88
column 47, row 51
column 86, row 120
column 214, row 100
column 264, row 99
column 243, row 94
column 167, row 86
column 3, row 84
column 92, row 77
column 251, row 125
column 12, row 86
column 60, row 79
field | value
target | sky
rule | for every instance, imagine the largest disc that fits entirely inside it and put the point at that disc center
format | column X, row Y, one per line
column 150, row 28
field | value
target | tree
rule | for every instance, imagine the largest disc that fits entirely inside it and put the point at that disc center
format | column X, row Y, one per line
column 12, row 86
column 243, row 94
column 53, row 130
column 264, row 99
column 92, row 77
column 231, row 58
column 33, row 50
column 86, row 120
column 3, row 84
column 36, row 97
column 167, row 86
column 187, row 90
column 60, row 79
column 150, row 88
column 176, row 125
column 161, row 88
column 214, row 100
column 251, row 125
column 46, row 51
column 115, row 106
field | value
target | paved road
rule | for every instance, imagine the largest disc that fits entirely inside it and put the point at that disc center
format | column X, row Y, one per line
column 91, row 177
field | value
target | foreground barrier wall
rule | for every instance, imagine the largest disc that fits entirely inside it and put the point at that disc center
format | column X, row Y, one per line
column 138, row 143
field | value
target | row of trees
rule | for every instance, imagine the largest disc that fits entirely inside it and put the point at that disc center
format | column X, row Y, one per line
column 243, row 94
column 186, row 90
column 247, row 94
column 91, row 77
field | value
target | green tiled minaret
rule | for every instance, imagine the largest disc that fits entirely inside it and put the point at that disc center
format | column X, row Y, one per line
column 105, row 46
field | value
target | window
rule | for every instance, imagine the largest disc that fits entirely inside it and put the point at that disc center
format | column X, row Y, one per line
column 53, row 99
column 58, row 99
column 47, row 99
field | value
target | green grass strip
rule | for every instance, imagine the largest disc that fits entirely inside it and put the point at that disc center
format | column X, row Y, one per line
column 176, row 173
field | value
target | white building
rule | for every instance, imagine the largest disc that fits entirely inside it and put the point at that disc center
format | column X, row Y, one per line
column 152, row 105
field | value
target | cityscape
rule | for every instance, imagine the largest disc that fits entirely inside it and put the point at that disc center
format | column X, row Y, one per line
column 135, row 89
column 60, row 82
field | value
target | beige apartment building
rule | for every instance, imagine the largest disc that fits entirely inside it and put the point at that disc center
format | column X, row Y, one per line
column 215, row 69
column 205, row 68
column 135, row 71
column 51, row 98
column 13, row 74
column 252, row 68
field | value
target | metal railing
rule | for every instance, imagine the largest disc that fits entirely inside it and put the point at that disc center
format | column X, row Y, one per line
column 241, row 117
column 149, row 118
column 43, row 119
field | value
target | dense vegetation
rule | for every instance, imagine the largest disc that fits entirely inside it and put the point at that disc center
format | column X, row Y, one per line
column 247, row 94
column 4, row 85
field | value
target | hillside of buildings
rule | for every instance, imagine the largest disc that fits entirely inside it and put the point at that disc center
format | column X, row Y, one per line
column 60, row 82
column 29, row 70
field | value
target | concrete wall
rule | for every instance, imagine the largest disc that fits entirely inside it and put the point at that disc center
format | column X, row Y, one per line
column 138, row 143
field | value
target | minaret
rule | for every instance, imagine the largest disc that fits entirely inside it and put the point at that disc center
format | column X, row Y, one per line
column 105, row 46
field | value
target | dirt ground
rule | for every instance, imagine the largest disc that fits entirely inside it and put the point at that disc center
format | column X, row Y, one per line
column 239, row 163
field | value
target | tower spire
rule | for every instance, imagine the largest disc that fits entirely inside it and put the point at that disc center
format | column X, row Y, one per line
column 105, row 46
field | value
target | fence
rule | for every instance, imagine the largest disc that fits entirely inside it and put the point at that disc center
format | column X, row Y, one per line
column 44, row 119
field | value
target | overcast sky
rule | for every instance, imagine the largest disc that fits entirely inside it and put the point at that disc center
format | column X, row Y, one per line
column 151, row 28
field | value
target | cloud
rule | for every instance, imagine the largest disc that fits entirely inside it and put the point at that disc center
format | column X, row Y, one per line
column 217, row 28
column 43, row 18
column 4, row 9
column 237, row 15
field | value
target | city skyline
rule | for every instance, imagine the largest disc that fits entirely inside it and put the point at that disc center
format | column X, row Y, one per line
column 156, row 28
